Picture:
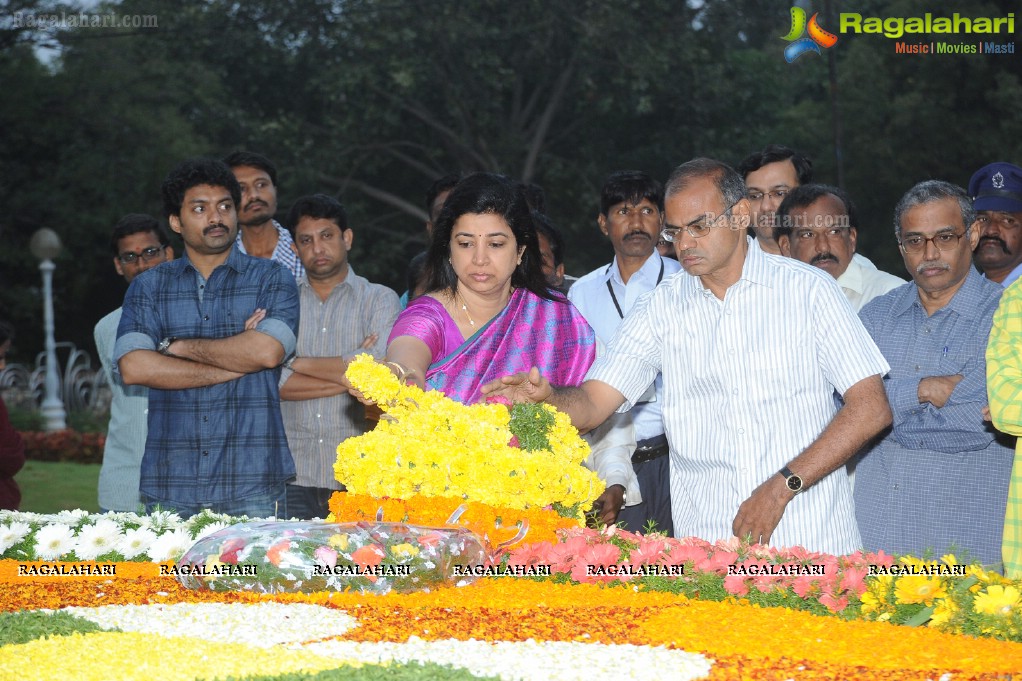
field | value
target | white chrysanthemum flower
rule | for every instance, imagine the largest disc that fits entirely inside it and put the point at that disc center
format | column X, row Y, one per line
column 12, row 534
column 101, row 537
column 73, row 518
column 54, row 541
column 161, row 521
column 135, row 542
column 210, row 529
column 170, row 546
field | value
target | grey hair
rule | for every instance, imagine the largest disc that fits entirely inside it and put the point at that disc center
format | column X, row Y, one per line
column 934, row 190
column 729, row 183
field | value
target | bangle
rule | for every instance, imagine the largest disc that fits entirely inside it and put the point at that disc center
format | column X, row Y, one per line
column 401, row 371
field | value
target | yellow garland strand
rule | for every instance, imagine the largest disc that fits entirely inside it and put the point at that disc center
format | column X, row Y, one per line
column 429, row 445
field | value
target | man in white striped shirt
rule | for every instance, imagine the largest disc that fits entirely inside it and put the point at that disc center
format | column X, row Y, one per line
column 752, row 347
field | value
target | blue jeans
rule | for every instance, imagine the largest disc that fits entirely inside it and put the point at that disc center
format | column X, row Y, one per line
column 308, row 502
column 270, row 505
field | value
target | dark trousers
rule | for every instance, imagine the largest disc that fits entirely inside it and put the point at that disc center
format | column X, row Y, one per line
column 308, row 503
column 655, row 486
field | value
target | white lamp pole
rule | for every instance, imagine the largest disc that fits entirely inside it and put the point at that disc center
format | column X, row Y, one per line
column 45, row 246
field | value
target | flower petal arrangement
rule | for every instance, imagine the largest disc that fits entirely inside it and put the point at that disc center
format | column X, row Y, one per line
column 368, row 557
column 429, row 445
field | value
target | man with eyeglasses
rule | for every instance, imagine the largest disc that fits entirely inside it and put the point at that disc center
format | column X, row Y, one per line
column 769, row 175
column 138, row 243
column 631, row 205
column 752, row 348
column 938, row 481
column 818, row 225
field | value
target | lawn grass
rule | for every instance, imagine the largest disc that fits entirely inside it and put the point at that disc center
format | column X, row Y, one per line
column 51, row 486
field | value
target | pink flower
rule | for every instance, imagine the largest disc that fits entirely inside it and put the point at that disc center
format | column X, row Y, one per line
column 326, row 556
column 565, row 554
column 532, row 554
column 804, row 585
column 681, row 553
column 229, row 551
column 834, row 604
column 732, row 544
column 735, row 585
column 648, row 552
column 879, row 558
column 717, row 562
column 854, row 580
column 592, row 558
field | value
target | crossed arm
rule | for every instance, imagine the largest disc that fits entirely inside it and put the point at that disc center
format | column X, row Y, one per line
column 314, row 377
column 200, row 362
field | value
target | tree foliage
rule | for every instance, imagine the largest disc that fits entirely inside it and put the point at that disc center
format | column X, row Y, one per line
column 371, row 100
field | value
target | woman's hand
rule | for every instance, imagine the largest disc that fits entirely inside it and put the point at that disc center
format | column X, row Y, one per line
column 520, row 387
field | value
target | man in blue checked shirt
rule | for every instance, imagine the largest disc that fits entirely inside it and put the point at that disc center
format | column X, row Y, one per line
column 207, row 334
column 938, row 481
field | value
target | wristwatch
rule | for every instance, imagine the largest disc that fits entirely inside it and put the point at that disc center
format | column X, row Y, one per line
column 793, row 481
column 164, row 347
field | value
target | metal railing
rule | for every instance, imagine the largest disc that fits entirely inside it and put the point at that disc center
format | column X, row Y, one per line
column 82, row 387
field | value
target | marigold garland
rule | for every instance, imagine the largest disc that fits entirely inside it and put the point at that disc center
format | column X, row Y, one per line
column 435, row 511
column 427, row 444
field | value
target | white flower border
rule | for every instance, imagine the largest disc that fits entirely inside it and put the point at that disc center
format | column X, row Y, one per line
column 303, row 626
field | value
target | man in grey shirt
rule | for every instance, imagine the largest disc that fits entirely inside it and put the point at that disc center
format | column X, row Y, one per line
column 341, row 314
column 138, row 243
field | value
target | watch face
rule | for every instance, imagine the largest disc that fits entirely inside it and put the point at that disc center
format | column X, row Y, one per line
column 794, row 483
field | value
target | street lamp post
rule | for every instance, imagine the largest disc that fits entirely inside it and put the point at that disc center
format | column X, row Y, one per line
column 45, row 246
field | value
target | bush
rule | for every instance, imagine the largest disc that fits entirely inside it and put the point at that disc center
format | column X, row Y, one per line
column 25, row 419
column 64, row 445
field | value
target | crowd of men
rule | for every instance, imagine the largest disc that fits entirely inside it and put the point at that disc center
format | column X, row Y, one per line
column 834, row 406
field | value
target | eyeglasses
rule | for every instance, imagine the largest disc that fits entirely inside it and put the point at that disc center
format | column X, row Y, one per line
column 147, row 254
column 778, row 194
column 697, row 230
column 945, row 241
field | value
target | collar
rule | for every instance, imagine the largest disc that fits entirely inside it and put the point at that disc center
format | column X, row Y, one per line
column 352, row 280
column 650, row 269
column 852, row 278
column 758, row 264
column 236, row 260
column 756, row 269
column 962, row 303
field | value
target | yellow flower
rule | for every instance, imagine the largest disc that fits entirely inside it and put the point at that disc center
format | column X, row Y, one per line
column 943, row 611
column 405, row 550
column 429, row 445
column 998, row 600
column 339, row 541
column 919, row 589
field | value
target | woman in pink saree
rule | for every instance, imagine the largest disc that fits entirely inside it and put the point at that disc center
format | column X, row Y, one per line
column 488, row 311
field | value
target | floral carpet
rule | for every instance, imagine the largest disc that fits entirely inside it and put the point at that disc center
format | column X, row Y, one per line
column 510, row 628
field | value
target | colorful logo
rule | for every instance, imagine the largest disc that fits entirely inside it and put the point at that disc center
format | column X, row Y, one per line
column 816, row 39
